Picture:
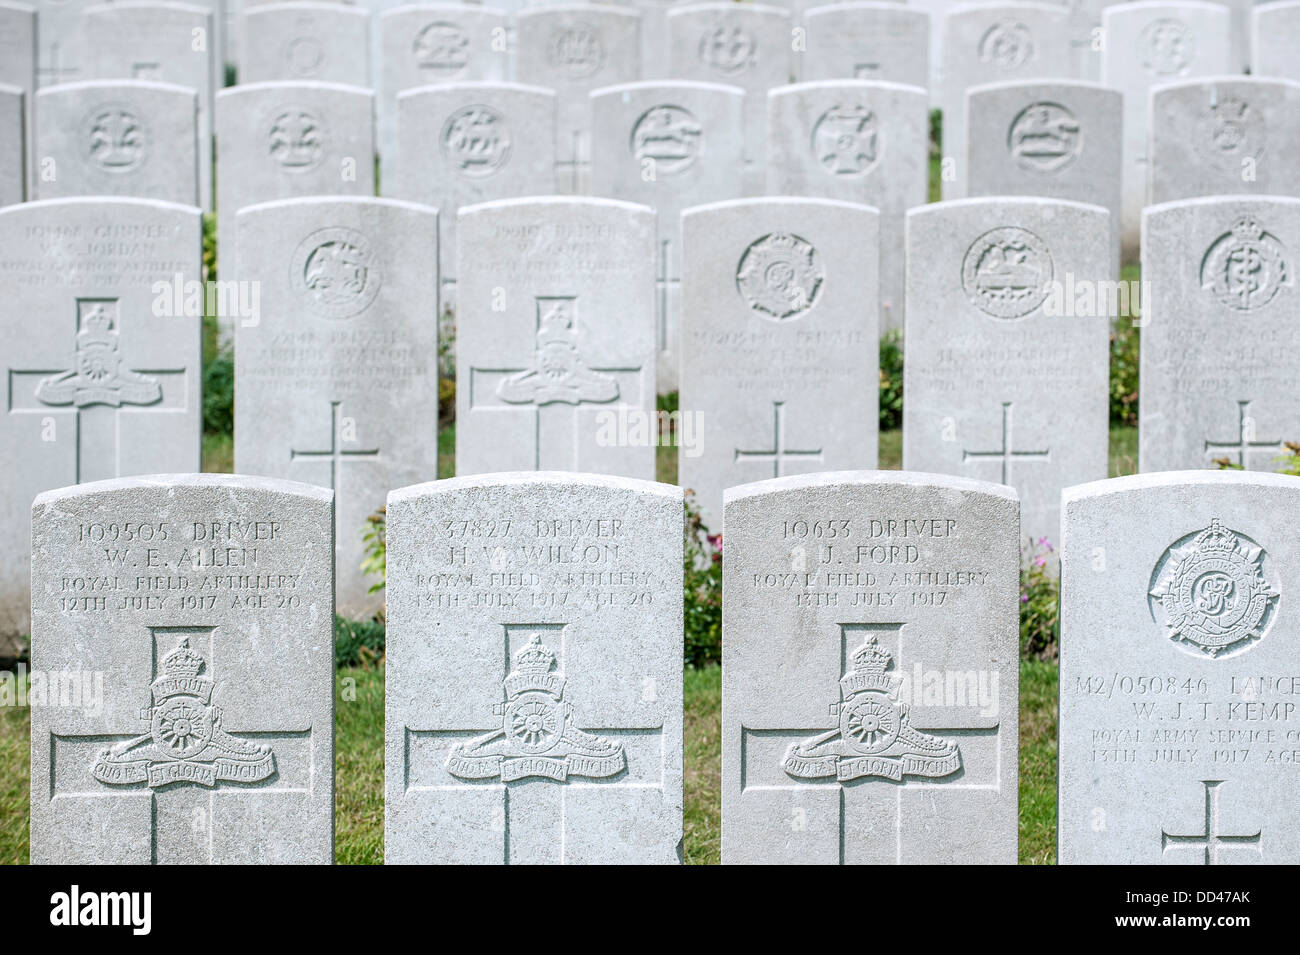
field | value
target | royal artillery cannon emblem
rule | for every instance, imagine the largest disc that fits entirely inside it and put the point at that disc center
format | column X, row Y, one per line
column 537, row 736
column 875, row 736
column 185, row 742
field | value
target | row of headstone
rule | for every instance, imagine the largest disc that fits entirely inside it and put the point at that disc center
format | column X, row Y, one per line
column 534, row 703
column 334, row 303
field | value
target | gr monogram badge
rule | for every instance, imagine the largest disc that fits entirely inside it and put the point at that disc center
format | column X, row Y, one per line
column 1211, row 592
column 536, row 737
column 875, row 737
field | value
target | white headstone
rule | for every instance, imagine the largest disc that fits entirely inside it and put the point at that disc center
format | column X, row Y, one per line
column 1177, row 663
column 13, row 153
column 668, row 146
column 1150, row 43
column 655, row 50
column 1057, row 139
column 433, row 43
column 1274, row 33
column 555, row 338
column 859, row 141
column 60, row 57
column 869, row 670
column 337, row 384
column 867, row 40
column 201, row 607
column 18, row 68
column 329, row 42
column 464, row 143
column 162, row 42
column 1220, row 342
column 102, row 377
column 993, row 43
column 534, row 671
column 1223, row 136
column 780, row 328
column 746, row 45
column 285, row 140
column 574, row 49
column 118, row 138
column 1008, row 322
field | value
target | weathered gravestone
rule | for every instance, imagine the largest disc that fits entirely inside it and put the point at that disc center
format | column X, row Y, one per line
column 463, row 143
column 118, row 138
column 669, row 146
column 13, row 153
column 1056, row 139
column 555, row 338
column 60, row 57
column 163, row 42
column 102, row 372
column 866, row 40
column 859, row 141
column 992, row 43
column 779, row 330
column 18, row 68
column 1150, row 43
column 1177, row 739
column 654, row 35
column 329, row 42
column 574, row 49
column 534, row 680
column 1220, row 343
column 337, row 384
column 202, row 607
column 869, row 670
column 1222, row 136
column 1086, row 38
column 433, row 43
column 745, row 45
column 1274, row 33
column 285, row 140
column 1008, row 319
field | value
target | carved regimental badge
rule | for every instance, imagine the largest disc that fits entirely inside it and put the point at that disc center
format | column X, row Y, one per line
column 670, row 137
column 335, row 271
column 1006, row 272
column 99, row 375
column 1045, row 137
column 296, row 140
column 780, row 276
column 846, row 140
column 185, row 742
column 728, row 50
column 1007, row 44
column 1245, row 267
column 1166, row 47
column 1231, row 131
column 441, row 48
column 536, row 737
column 559, row 373
column 875, row 736
column 1210, row 591
column 475, row 142
column 576, row 51
column 117, row 140
column 304, row 56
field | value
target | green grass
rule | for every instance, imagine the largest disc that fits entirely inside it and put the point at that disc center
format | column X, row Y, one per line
column 218, row 454
column 1038, row 680
column 15, row 773
column 359, row 767
column 702, row 801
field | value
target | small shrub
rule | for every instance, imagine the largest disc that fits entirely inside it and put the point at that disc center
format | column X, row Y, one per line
column 219, row 395
column 446, row 401
column 1124, row 351
column 358, row 642
column 376, row 558
column 1039, row 603
column 891, row 380
column 702, row 572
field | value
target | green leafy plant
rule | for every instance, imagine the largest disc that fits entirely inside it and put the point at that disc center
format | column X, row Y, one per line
column 219, row 395
column 1124, row 351
column 375, row 560
column 1039, row 602
column 358, row 643
column 702, row 577
column 891, row 380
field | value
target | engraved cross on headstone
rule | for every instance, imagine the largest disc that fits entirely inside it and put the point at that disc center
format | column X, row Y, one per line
column 870, row 808
column 1007, row 453
column 98, row 388
column 554, row 388
column 52, row 69
column 191, row 758
column 1245, row 444
column 778, row 453
column 529, row 751
column 1210, row 842
column 335, row 455
column 573, row 167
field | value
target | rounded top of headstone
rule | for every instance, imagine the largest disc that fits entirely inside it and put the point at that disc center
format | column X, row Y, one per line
column 1223, row 79
column 535, row 479
column 540, row 203
column 148, row 6
column 1177, row 479
column 1138, row 7
column 1236, row 200
column 425, row 9
column 40, row 208
column 890, row 6
column 991, row 202
column 1045, row 83
column 294, row 86
column 667, row 85
column 824, row 479
column 573, row 9
column 453, row 90
column 1016, row 6
column 791, row 89
column 337, row 202
column 162, row 484
column 308, row 6
column 759, row 203
column 119, row 84
column 747, row 9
